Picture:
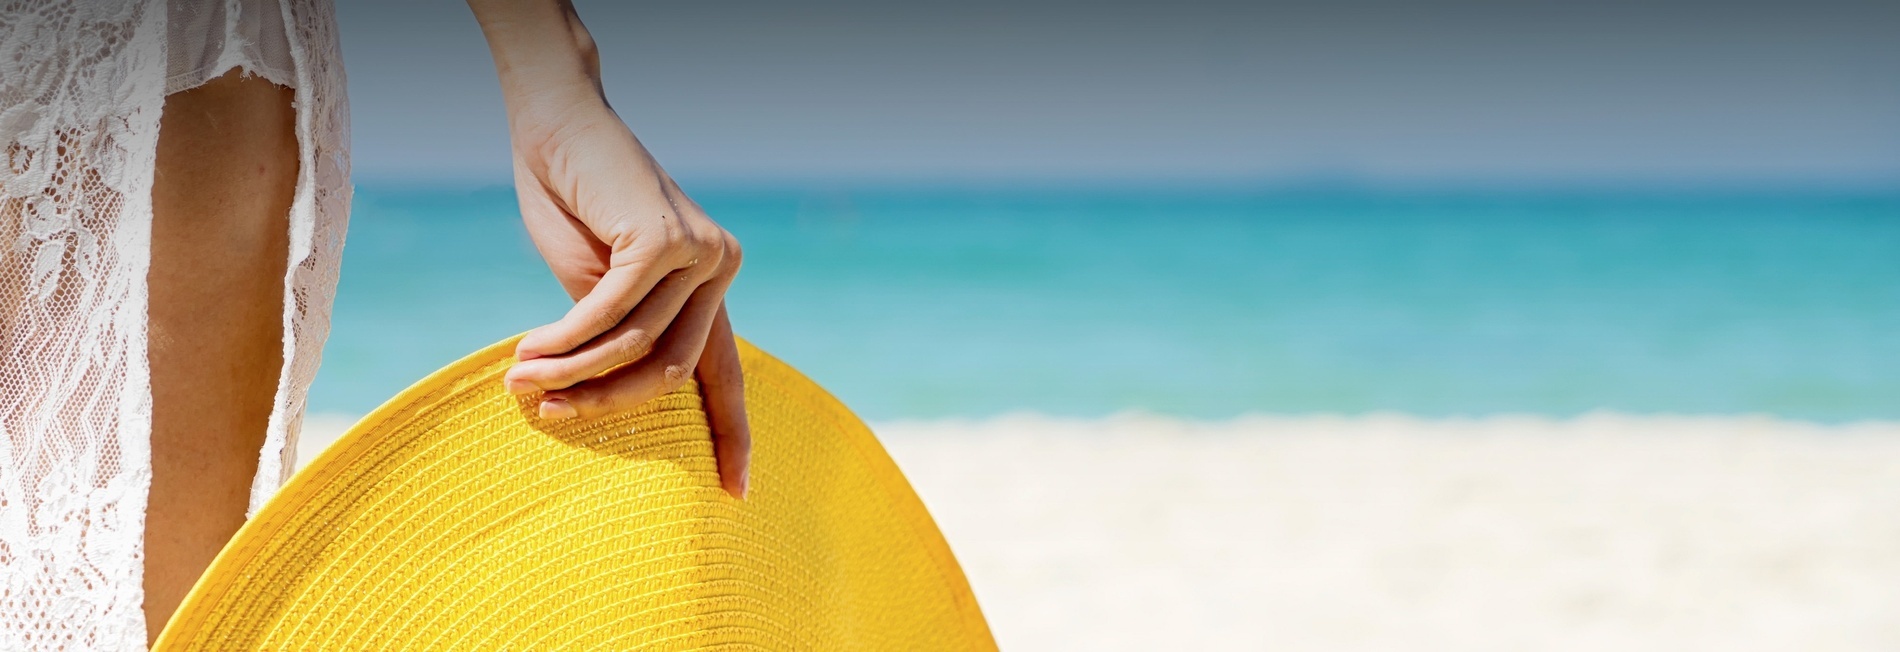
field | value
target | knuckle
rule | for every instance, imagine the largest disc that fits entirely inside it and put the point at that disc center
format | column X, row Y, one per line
column 710, row 239
column 602, row 318
column 635, row 343
column 731, row 254
column 587, row 404
column 699, row 245
column 675, row 374
column 601, row 396
column 675, row 233
column 732, row 374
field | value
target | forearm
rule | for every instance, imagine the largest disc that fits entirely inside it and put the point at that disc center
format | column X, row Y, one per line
column 544, row 56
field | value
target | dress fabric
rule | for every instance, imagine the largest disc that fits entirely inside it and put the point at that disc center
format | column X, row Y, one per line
column 82, row 85
column 206, row 39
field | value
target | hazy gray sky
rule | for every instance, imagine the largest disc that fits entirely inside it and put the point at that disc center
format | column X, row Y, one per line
column 1660, row 92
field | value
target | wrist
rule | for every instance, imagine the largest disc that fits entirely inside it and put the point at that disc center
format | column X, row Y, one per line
column 544, row 56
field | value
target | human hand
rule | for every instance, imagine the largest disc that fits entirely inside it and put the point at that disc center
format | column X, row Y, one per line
column 648, row 271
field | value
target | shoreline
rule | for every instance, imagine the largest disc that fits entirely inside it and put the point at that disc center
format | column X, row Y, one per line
column 1385, row 531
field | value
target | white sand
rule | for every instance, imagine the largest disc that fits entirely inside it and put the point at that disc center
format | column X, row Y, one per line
column 1392, row 533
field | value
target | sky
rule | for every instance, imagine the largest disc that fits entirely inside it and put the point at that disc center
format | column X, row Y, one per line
column 1659, row 93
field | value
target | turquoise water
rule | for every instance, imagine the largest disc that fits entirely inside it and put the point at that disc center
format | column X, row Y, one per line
column 1215, row 303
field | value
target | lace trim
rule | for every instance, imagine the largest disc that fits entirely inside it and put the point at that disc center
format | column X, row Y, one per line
column 81, row 88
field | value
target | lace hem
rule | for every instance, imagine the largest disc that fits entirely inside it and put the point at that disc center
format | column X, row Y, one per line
column 81, row 88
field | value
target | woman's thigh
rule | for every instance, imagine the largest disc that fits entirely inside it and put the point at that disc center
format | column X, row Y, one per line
column 227, row 168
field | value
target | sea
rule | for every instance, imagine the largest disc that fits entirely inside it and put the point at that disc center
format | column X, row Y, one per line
column 1209, row 303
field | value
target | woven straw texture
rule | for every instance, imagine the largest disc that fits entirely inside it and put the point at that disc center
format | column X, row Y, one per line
column 452, row 518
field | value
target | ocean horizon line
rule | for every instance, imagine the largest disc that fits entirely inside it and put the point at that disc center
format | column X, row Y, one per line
column 337, row 421
column 1294, row 185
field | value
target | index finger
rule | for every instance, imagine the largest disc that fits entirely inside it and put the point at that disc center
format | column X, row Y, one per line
column 619, row 290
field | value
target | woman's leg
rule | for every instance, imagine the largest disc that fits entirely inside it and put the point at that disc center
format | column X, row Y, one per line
column 227, row 167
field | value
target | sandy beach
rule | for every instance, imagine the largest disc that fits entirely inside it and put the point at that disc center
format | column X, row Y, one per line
column 1389, row 532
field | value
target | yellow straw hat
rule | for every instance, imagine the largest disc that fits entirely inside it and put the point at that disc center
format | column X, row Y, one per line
column 453, row 518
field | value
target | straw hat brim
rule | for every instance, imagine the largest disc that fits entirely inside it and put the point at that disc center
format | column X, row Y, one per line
column 453, row 518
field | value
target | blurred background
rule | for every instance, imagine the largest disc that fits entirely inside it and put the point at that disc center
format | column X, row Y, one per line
column 1345, row 325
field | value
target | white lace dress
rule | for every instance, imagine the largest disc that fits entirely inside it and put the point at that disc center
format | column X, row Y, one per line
column 82, row 83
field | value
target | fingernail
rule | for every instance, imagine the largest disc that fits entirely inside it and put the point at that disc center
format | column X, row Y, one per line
column 518, row 386
column 557, row 408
